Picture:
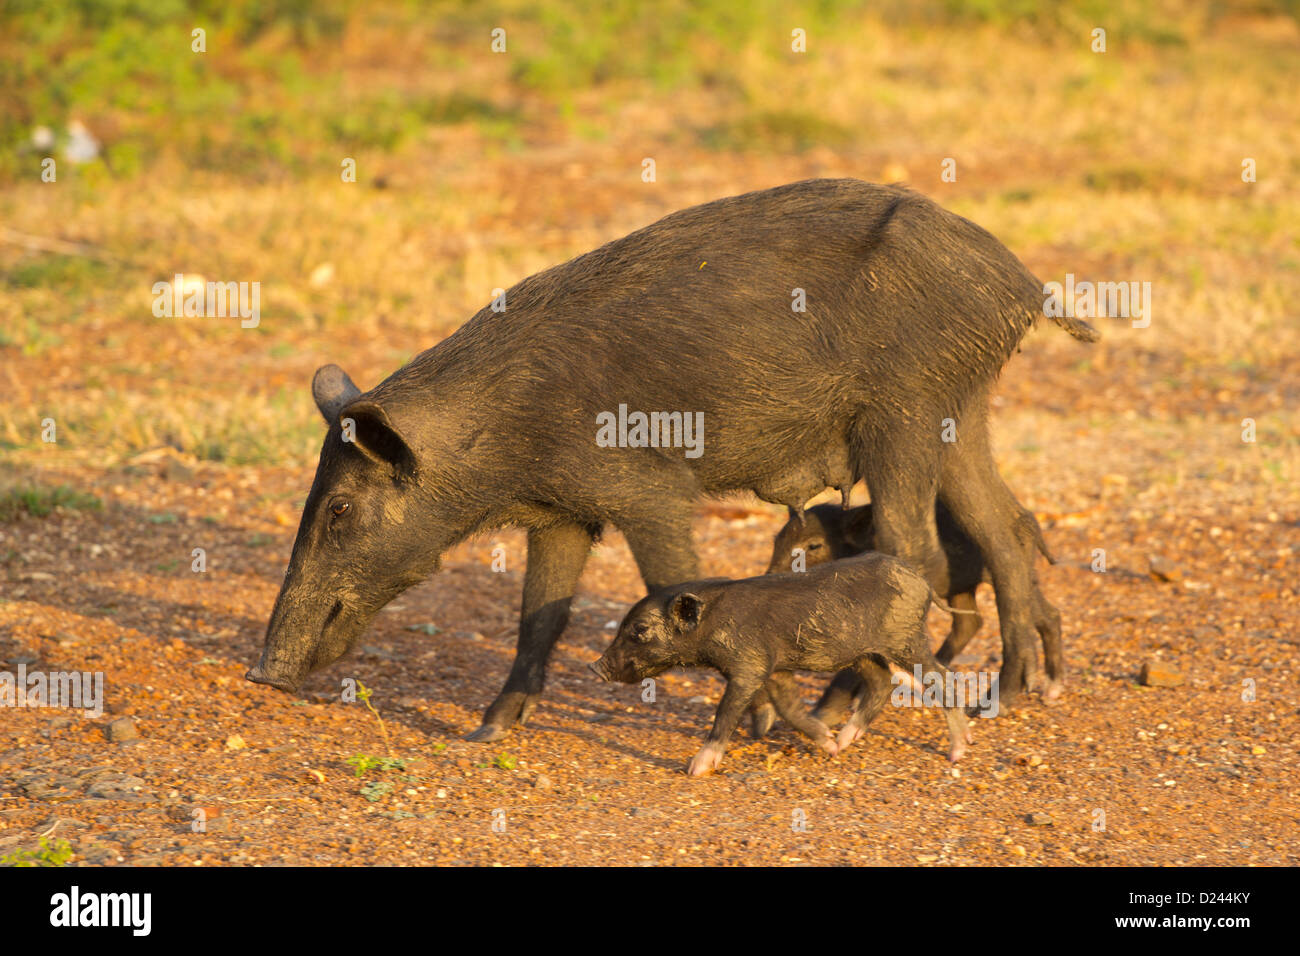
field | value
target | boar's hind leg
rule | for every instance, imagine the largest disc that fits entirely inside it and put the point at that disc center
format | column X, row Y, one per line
column 556, row 555
column 784, row 694
column 1047, row 620
column 988, row 512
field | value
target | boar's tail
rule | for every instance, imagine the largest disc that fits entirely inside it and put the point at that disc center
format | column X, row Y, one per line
column 938, row 602
column 1077, row 327
column 1033, row 300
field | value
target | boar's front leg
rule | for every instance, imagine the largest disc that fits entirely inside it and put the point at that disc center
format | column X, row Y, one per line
column 740, row 692
column 556, row 555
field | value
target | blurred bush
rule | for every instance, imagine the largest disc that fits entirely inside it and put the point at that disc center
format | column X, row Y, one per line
column 276, row 88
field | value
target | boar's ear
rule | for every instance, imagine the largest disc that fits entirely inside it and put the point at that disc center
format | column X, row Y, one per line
column 686, row 609
column 378, row 439
column 332, row 389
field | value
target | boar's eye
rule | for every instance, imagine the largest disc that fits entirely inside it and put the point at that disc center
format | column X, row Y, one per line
column 339, row 507
column 641, row 632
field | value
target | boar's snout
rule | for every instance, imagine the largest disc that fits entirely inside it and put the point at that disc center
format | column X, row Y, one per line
column 258, row 675
column 600, row 669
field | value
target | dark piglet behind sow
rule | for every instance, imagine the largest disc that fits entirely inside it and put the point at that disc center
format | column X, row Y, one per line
column 866, row 614
column 829, row 532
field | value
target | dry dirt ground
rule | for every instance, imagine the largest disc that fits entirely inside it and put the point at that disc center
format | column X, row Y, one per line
column 1116, row 773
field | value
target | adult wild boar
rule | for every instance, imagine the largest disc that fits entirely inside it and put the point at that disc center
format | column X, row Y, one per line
column 909, row 312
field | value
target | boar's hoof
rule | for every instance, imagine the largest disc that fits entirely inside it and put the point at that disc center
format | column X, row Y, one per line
column 1052, row 692
column 486, row 734
column 259, row 676
column 1018, row 676
column 706, row 761
column 761, row 720
column 509, row 709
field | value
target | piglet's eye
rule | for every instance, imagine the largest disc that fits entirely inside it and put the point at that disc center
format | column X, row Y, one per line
column 339, row 508
column 813, row 546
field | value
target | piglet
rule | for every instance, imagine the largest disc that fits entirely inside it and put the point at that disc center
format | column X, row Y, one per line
column 866, row 613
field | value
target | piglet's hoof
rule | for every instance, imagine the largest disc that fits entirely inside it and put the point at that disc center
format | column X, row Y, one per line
column 848, row 734
column 829, row 745
column 958, row 749
column 706, row 761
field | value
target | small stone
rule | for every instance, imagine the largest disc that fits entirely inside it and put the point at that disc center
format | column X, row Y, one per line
column 1018, row 850
column 1162, row 569
column 1040, row 819
column 122, row 729
column 1258, row 751
column 235, row 742
column 1159, row 674
column 321, row 276
column 927, row 858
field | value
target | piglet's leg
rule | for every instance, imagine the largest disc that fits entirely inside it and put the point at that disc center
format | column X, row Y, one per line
column 878, row 684
column 762, row 715
column 959, row 734
column 785, row 696
column 741, row 690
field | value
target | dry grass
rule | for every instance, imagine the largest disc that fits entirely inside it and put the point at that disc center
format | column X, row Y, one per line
column 1122, row 166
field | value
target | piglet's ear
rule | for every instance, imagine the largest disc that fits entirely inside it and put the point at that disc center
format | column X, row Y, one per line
column 376, row 437
column 686, row 609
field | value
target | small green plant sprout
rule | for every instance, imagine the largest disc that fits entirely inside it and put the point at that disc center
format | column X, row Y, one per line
column 506, row 761
column 363, row 694
column 56, row 853
column 363, row 763
column 375, row 790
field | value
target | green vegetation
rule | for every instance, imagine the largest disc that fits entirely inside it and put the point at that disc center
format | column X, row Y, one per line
column 40, row 501
column 364, row 763
column 275, row 73
column 50, row 853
